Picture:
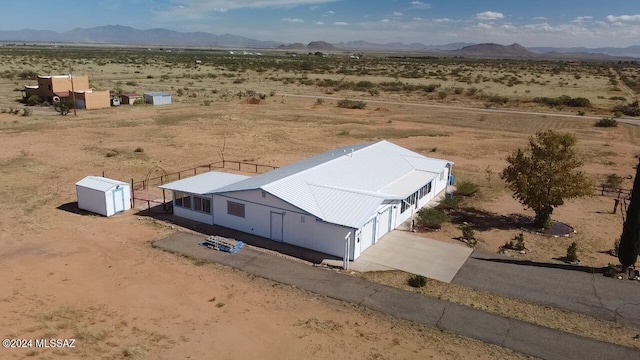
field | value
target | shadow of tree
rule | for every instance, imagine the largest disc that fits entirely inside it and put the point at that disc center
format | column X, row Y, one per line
column 582, row 268
column 483, row 220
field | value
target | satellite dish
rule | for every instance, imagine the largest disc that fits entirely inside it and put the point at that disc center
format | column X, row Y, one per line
column 56, row 99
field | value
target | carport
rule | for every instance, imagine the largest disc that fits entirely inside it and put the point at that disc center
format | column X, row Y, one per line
column 402, row 250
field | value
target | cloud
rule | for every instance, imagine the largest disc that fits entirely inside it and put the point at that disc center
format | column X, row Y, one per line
column 397, row 13
column 484, row 26
column 623, row 18
column 385, row 20
column 489, row 15
column 540, row 18
column 581, row 19
column 417, row 19
column 290, row 20
column 180, row 10
column 319, row 22
column 420, row 5
column 341, row 23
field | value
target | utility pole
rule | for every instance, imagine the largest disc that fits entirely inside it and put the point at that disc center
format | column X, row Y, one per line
column 73, row 93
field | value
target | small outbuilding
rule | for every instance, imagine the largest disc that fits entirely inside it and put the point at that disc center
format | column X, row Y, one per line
column 129, row 99
column 157, row 98
column 103, row 196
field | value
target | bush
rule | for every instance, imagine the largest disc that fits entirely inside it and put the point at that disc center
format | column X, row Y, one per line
column 138, row 150
column 448, row 203
column 352, row 104
column 572, row 252
column 466, row 188
column 319, row 101
column 612, row 182
column 632, row 109
column 517, row 243
column 565, row 100
column 610, row 271
column 34, row 100
column 417, row 281
column 27, row 112
column 606, row 122
column 206, row 102
column 139, row 101
column 180, row 92
column 469, row 235
column 431, row 218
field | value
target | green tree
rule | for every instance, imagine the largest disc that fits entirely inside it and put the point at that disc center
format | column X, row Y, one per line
column 546, row 174
column 630, row 241
column 63, row 106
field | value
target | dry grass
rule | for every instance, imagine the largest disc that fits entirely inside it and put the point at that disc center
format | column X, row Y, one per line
column 562, row 320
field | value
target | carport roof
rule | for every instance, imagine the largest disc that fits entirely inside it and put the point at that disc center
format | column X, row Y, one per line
column 204, row 183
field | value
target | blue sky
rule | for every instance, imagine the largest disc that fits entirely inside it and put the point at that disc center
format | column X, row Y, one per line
column 587, row 23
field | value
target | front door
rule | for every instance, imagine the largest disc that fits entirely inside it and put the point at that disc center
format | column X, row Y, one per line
column 276, row 226
column 118, row 200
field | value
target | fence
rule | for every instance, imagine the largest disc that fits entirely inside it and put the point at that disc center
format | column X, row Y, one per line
column 147, row 191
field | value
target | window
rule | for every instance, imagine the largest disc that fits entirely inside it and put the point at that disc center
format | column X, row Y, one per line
column 183, row 200
column 202, row 204
column 424, row 190
column 235, row 209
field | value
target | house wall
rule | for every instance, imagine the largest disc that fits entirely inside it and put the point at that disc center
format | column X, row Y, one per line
column 439, row 184
column 95, row 99
column 190, row 213
column 157, row 100
column 91, row 200
column 125, row 100
column 298, row 228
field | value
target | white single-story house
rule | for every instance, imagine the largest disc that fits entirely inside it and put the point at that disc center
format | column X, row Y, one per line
column 103, row 196
column 363, row 191
column 157, row 98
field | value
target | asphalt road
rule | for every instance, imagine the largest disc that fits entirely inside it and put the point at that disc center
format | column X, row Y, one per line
column 574, row 288
column 517, row 335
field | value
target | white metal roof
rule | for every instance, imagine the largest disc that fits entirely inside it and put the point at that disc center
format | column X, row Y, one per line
column 346, row 185
column 204, row 183
column 157, row 93
column 99, row 183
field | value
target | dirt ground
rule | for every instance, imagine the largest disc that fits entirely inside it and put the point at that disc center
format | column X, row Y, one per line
column 98, row 279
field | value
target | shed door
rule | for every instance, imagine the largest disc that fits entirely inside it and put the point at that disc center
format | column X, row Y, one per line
column 276, row 226
column 118, row 200
column 367, row 234
column 385, row 223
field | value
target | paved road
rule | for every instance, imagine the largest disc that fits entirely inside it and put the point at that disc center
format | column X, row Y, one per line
column 573, row 288
column 520, row 336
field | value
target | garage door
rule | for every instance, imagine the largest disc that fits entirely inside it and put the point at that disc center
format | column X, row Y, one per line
column 367, row 234
column 384, row 225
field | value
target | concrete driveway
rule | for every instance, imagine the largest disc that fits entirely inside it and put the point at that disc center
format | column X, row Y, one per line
column 405, row 251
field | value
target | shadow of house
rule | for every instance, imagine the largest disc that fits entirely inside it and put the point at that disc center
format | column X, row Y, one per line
column 311, row 256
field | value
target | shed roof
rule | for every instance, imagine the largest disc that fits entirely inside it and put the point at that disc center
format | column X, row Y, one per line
column 99, row 183
column 130, row 95
column 204, row 183
column 157, row 93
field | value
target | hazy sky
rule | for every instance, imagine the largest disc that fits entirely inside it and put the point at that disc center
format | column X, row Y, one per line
column 588, row 23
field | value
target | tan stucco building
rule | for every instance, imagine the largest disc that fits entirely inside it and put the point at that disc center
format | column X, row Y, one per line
column 60, row 86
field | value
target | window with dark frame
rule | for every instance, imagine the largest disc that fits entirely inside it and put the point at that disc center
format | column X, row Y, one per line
column 183, row 200
column 235, row 209
column 202, row 204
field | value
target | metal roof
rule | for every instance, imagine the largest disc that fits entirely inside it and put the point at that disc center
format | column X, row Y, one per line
column 99, row 183
column 346, row 185
column 204, row 183
column 157, row 93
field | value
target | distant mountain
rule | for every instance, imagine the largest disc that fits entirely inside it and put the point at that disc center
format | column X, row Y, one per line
column 495, row 50
column 125, row 35
column 631, row 51
column 360, row 45
column 321, row 46
column 294, row 46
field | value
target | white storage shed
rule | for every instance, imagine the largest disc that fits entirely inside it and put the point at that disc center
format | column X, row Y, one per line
column 157, row 98
column 103, row 196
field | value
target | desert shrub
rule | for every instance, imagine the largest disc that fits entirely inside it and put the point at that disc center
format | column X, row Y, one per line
column 579, row 102
column 431, row 218
column 34, row 100
column 606, row 122
column 621, row 98
column 494, row 98
column 417, row 281
column 138, row 150
column 469, row 235
column 466, row 188
column 272, row 93
column 351, row 104
column 517, row 243
column 180, row 92
column 448, row 203
column 206, row 102
column 27, row 112
column 443, row 94
column 64, row 106
column 610, row 271
column 149, row 76
column 431, row 87
column 319, row 101
column 458, row 90
column 472, row 91
column 262, row 96
column 565, row 100
column 572, row 252
column 629, row 109
column 612, row 182
column 139, row 101
column 131, row 83
column 27, row 75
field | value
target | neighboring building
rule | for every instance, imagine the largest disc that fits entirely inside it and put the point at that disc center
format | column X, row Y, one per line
column 92, row 99
column 157, row 98
column 366, row 190
column 103, row 196
column 54, row 88
column 129, row 99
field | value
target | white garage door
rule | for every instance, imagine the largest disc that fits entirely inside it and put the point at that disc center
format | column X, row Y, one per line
column 367, row 234
column 384, row 225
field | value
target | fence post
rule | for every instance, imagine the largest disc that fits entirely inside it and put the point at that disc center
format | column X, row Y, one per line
column 223, row 163
column 238, row 165
column 256, row 168
column 195, row 169
column 178, row 175
column 133, row 196
column 602, row 193
column 103, row 174
column 164, row 201
column 161, row 180
column 209, row 167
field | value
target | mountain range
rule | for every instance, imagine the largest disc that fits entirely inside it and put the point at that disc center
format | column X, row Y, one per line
column 125, row 35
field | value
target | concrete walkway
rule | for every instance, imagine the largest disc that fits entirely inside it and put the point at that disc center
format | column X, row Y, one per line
column 519, row 336
column 575, row 288
column 405, row 251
